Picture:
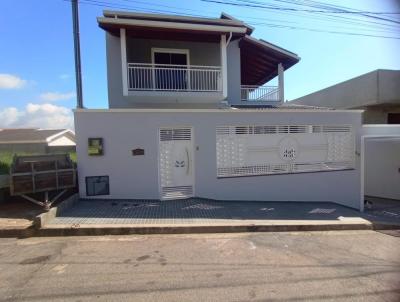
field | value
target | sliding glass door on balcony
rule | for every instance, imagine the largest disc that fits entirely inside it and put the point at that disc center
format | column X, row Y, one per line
column 171, row 72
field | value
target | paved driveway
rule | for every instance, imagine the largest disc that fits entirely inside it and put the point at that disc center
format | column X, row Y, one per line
column 198, row 211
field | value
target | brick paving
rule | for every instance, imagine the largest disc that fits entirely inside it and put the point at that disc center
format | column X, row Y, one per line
column 197, row 211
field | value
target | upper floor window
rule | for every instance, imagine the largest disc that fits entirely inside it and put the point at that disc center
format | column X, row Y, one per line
column 167, row 56
column 171, row 68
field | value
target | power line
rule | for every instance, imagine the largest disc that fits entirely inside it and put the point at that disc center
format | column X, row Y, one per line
column 324, row 31
column 336, row 8
column 341, row 9
column 280, row 9
column 350, row 21
column 118, row 6
column 300, row 10
column 270, row 7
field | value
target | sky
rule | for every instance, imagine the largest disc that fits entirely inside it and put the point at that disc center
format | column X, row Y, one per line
column 37, row 83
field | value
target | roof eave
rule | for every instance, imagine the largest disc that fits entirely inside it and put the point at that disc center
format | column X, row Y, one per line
column 169, row 17
column 226, row 16
column 273, row 47
column 61, row 133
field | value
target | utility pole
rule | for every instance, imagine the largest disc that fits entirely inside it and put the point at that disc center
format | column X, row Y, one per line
column 77, row 52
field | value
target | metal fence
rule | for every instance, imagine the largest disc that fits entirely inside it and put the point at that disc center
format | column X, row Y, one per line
column 260, row 93
column 165, row 77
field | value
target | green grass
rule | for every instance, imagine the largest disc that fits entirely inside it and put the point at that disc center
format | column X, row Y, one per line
column 5, row 162
column 72, row 155
column 7, row 157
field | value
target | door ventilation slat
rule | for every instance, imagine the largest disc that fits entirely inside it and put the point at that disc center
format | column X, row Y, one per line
column 177, row 192
column 175, row 134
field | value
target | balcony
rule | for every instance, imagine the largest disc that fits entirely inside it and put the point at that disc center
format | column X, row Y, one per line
column 173, row 78
column 258, row 94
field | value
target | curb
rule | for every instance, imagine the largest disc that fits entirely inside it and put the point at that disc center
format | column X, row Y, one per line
column 149, row 230
column 380, row 226
column 18, row 232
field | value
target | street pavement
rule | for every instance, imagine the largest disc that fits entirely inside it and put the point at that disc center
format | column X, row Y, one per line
column 304, row 266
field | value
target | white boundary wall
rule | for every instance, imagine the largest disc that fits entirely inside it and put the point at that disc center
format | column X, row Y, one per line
column 381, row 160
column 137, row 176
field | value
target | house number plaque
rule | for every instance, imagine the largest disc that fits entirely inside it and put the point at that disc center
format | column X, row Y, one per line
column 138, row 151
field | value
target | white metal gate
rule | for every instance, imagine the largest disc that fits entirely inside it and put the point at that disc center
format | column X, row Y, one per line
column 276, row 149
column 176, row 170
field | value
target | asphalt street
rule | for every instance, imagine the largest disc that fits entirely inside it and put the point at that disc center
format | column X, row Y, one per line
column 307, row 266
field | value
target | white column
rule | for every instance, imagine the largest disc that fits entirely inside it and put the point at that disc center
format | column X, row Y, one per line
column 124, row 64
column 280, row 83
column 224, row 67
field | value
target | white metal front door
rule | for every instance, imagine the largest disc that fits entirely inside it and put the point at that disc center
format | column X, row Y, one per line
column 176, row 163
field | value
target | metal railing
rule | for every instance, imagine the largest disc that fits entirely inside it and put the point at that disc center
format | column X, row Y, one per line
column 165, row 77
column 259, row 93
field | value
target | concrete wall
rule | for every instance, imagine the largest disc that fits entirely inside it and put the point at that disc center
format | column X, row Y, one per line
column 356, row 92
column 61, row 149
column 382, row 161
column 389, row 86
column 378, row 114
column 25, row 148
column 376, row 87
column 137, row 176
column 234, row 79
column 139, row 51
column 200, row 53
column 35, row 148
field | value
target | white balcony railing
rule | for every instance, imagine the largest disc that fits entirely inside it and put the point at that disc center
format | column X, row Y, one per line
column 260, row 93
column 165, row 77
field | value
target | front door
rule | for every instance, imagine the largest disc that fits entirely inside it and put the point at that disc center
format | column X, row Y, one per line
column 171, row 70
column 176, row 170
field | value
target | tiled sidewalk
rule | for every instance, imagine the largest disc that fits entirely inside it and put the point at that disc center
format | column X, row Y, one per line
column 383, row 210
column 198, row 211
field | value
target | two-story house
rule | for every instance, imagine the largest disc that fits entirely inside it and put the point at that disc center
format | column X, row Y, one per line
column 191, row 114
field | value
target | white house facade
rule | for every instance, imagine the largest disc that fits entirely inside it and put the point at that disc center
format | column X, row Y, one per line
column 191, row 114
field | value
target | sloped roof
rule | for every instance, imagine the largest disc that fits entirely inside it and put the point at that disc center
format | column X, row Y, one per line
column 30, row 135
column 259, row 60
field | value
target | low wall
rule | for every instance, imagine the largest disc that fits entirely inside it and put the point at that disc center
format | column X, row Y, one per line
column 44, row 218
column 137, row 176
column 382, row 161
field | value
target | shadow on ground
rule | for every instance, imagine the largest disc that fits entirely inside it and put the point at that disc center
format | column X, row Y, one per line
column 17, row 211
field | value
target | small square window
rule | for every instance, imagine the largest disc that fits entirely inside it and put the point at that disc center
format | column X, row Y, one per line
column 97, row 185
column 95, row 146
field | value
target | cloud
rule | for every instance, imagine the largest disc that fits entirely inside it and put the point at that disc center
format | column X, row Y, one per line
column 56, row 96
column 64, row 76
column 9, row 115
column 37, row 115
column 9, row 81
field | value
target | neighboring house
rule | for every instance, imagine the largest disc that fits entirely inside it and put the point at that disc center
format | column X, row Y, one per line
column 190, row 114
column 32, row 140
column 376, row 92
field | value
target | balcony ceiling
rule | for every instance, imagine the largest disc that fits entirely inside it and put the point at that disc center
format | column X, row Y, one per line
column 259, row 60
